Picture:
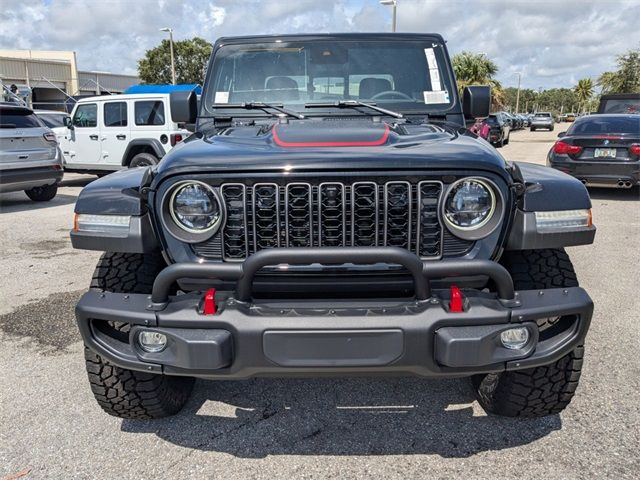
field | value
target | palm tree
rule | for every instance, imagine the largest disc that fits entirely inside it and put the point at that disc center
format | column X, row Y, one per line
column 476, row 69
column 584, row 90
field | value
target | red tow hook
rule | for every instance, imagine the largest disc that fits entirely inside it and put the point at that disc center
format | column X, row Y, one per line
column 209, row 307
column 456, row 305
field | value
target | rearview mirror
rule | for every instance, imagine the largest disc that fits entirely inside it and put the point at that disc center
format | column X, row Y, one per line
column 68, row 123
column 476, row 101
column 562, row 134
column 184, row 106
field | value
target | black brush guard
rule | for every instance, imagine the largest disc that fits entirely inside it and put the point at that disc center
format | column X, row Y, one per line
column 421, row 336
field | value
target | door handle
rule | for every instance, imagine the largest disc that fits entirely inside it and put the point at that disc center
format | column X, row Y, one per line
column 93, row 137
column 121, row 137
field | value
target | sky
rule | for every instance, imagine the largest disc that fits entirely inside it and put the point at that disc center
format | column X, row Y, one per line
column 553, row 43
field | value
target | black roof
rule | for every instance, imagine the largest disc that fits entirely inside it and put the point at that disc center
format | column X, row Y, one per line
column 330, row 36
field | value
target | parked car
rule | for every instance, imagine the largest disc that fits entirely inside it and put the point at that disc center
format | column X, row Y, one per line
column 620, row 103
column 500, row 130
column 364, row 234
column 30, row 159
column 600, row 150
column 570, row 117
column 112, row 132
column 56, row 121
column 542, row 120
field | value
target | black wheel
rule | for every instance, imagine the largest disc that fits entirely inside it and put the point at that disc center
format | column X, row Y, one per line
column 143, row 160
column 551, row 129
column 42, row 194
column 126, row 393
column 506, row 142
column 532, row 129
column 539, row 391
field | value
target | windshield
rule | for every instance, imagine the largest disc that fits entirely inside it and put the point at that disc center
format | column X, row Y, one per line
column 399, row 75
column 604, row 125
column 621, row 106
column 19, row 120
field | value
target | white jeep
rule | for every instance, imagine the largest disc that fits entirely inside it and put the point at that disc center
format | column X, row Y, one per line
column 112, row 132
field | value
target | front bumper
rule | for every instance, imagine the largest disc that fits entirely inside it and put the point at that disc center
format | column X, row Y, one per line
column 302, row 338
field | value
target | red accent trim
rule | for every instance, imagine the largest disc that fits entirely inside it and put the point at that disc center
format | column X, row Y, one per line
column 456, row 305
column 210, row 302
column 372, row 143
column 608, row 137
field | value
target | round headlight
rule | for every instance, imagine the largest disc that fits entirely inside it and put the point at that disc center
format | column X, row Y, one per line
column 195, row 207
column 469, row 208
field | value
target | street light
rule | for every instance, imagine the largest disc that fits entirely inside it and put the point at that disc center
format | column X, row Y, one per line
column 394, row 4
column 518, row 92
column 173, row 64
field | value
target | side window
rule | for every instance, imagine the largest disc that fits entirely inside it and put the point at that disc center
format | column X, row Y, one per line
column 115, row 114
column 86, row 116
column 149, row 112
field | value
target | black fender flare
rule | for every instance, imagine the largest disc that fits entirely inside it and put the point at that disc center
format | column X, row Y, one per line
column 153, row 143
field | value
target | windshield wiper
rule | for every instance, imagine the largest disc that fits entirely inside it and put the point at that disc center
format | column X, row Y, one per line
column 354, row 104
column 260, row 106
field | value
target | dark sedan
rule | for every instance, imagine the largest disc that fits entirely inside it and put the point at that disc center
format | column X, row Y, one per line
column 500, row 130
column 600, row 150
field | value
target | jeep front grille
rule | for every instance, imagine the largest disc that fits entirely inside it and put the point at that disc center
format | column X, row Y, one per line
column 332, row 214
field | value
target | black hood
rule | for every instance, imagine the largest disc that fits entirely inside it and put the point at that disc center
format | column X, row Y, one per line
column 332, row 144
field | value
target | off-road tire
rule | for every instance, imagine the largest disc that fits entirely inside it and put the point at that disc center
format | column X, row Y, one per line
column 129, row 394
column 143, row 160
column 126, row 393
column 544, row 390
column 42, row 194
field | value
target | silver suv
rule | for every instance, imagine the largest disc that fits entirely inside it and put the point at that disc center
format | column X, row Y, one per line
column 542, row 120
column 30, row 158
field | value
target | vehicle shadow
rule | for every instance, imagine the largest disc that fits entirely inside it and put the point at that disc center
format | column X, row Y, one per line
column 77, row 180
column 618, row 194
column 19, row 202
column 356, row 416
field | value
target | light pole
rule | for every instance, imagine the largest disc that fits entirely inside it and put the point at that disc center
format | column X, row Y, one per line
column 518, row 91
column 394, row 4
column 173, row 63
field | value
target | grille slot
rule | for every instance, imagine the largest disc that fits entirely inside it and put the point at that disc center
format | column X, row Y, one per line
column 397, row 214
column 266, row 216
column 333, row 214
column 364, row 214
column 429, row 243
column 235, row 245
column 298, row 206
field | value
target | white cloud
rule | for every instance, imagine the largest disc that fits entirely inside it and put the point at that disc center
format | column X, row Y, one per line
column 552, row 42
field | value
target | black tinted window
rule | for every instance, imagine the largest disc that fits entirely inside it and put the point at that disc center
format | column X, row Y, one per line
column 149, row 112
column 86, row 116
column 596, row 125
column 13, row 120
column 52, row 120
column 115, row 114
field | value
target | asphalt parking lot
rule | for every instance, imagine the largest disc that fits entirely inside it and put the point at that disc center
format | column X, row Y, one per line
column 51, row 427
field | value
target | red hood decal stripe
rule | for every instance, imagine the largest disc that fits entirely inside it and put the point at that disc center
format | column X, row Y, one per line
column 369, row 143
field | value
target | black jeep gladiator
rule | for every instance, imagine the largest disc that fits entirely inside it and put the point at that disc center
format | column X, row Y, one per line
column 331, row 215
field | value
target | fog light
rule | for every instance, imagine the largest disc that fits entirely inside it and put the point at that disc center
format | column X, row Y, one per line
column 152, row 342
column 515, row 338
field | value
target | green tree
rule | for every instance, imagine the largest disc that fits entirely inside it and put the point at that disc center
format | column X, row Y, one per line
column 191, row 57
column 476, row 69
column 584, row 91
column 627, row 78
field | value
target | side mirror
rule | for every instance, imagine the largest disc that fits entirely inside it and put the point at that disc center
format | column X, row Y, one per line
column 562, row 134
column 476, row 101
column 68, row 123
column 184, row 106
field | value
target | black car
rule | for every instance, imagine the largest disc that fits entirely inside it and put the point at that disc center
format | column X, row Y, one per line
column 332, row 216
column 600, row 150
column 500, row 130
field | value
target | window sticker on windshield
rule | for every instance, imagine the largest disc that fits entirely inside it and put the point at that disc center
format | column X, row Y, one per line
column 434, row 74
column 431, row 58
column 221, row 97
column 436, row 97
